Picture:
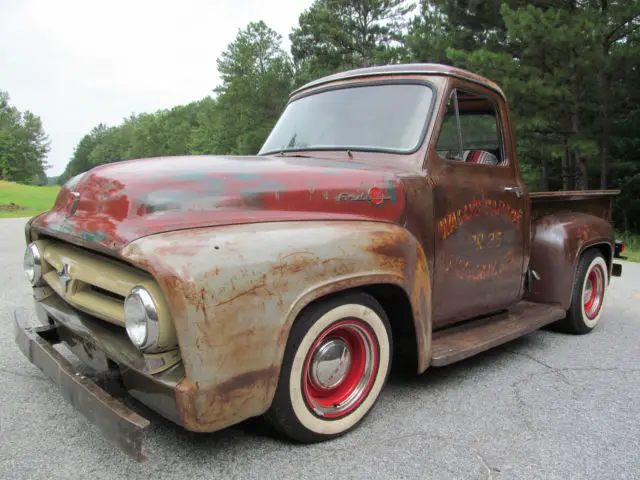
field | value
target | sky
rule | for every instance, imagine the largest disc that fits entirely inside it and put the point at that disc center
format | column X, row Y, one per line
column 77, row 63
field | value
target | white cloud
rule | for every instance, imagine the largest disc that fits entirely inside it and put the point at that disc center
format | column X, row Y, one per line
column 78, row 63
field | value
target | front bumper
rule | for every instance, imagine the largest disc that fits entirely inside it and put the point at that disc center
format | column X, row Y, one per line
column 103, row 349
column 118, row 423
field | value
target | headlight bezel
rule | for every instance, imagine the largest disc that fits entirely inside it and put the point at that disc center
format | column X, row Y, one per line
column 150, row 309
column 33, row 250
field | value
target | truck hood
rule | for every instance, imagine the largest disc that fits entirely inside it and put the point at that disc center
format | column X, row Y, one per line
column 115, row 204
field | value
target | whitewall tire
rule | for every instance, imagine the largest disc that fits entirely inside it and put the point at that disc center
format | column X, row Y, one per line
column 336, row 363
column 589, row 292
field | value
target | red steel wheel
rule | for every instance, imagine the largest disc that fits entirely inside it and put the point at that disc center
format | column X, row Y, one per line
column 588, row 294
column 593, row 291
column 335, row 365
column 340, row 368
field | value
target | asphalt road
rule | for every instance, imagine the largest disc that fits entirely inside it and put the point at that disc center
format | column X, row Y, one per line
column 545, row 406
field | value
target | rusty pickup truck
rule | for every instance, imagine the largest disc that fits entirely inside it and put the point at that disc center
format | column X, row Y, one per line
column 384, row 220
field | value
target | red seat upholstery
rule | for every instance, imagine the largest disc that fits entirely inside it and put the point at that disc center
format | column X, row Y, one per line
column 481, row 157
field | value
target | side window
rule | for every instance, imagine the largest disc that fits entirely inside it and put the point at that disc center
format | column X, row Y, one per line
column 470, row 131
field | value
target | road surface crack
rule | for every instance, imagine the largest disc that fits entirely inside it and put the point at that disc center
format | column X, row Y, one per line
column 551, row 370
column 560, row 370
column 599, row 369
column 490, row 470
column 530, row 357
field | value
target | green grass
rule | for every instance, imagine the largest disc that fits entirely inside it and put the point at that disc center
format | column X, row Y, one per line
column 36, row 199
column 632, row 246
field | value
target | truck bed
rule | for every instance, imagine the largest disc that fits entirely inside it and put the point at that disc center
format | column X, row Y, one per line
column 594, row 202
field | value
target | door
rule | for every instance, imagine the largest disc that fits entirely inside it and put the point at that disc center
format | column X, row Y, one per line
column 479, row 209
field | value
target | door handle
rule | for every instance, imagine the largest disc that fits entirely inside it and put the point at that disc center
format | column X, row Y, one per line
column 517, row 190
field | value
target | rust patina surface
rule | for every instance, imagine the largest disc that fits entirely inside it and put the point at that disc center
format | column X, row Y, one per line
column 236, row 290
column 239, row 246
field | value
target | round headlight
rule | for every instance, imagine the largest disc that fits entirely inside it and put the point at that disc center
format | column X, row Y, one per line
column 141, row 318
column 32, row 264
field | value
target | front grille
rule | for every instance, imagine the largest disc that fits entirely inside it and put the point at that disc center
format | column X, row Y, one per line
column 106, row 293
column 89, row 282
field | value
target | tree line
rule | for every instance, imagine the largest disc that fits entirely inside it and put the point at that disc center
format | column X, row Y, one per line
column 23, row 145
column 568, row 67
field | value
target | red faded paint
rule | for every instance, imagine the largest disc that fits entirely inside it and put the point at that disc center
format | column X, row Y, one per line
column 125, row 201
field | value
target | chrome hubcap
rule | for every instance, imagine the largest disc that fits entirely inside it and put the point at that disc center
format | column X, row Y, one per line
column 330, row 364
column 587, row 292
column 340, row 368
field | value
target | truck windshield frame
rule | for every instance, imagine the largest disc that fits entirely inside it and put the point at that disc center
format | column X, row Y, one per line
column 368, row 111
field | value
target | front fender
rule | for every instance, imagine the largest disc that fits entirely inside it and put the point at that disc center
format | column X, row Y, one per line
column 235, row 291
column 558, row 242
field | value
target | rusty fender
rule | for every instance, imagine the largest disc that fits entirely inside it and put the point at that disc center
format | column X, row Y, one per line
column 235, row 291
column 558, row 242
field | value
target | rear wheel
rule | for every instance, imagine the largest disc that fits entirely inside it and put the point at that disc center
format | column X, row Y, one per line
column 335, row 365
column 589, row 288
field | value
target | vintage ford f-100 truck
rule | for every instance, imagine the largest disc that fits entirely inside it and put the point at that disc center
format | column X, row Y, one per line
column 383, row 219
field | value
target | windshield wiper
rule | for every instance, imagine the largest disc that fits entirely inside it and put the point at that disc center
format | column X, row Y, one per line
column 289, row 153
column 290, row 147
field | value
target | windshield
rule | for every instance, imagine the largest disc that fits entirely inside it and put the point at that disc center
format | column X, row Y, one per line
column 390, row 117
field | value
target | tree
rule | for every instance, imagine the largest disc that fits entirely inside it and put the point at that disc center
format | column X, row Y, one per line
column 429, row 36
column 207, row 117
column 549, row 58
column 80, row 160
column 256, row 81
column 23, row 144
column 341, row 34
column 614, row 24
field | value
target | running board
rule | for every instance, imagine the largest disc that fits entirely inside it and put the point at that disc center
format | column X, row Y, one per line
column 457, row 343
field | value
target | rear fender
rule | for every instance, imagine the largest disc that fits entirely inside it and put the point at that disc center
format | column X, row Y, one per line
column 235, row 291
column 558, row 242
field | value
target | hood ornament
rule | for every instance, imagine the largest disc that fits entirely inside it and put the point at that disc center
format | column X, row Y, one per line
column 65, row 278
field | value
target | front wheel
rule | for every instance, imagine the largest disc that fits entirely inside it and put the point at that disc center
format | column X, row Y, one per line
column 589, row 288
column 336, row 362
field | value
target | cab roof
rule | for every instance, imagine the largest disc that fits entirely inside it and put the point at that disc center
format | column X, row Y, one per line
column 405, row 69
